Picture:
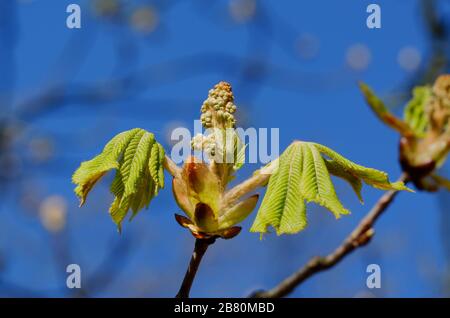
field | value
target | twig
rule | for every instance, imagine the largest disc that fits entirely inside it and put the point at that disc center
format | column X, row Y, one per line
column 360, row 236
column 201, row 245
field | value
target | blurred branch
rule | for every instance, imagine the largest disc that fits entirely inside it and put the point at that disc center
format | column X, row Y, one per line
column 170, row 71
column 438, row 60
column 101, row 278
column 360, row 236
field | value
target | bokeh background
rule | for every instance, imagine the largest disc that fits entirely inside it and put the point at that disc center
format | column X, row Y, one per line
column 149, row 64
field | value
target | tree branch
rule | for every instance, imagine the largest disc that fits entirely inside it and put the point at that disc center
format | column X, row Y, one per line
column 201, row 245
column 360, row 236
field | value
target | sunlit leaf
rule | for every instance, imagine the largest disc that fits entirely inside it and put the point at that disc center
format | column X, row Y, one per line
column 303, row 175
column 139, row 172
column 382, row 112
column 283, row 206
column 373, row 177
column 414, row 114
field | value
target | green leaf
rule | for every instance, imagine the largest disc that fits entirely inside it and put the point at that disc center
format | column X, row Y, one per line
column 156, row 164
column 316, row 185
column 382, row 112
column 376, row 178
column 91, row 171
column 133, row 175
column 162, row 155
column 337, row 170
column 134, row 185
column 303, row 175
column 283, row 205
column 239, row 152
column 414, row 113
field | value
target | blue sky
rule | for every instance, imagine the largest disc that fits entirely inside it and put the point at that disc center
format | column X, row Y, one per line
column 157, row 80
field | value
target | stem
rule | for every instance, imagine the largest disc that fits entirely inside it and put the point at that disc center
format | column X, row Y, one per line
column 258, row 179
column 171, row 167
column 360, row 236
column 201, row 245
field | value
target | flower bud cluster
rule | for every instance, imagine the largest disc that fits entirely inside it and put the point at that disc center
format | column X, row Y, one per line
column 438, row 107
column 218, row 109
column 204, row 143
column 441, row 90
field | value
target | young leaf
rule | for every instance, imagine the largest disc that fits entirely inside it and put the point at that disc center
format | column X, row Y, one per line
column 382, row 112
column 376, row 178
column 316, row 185
column 239, row 151
column 283, row 205
column 134, row 184
column 338, row 171
column 156, row 164
column 91, row 171
column 304, row 175
column 133, row 175
column 162, row 154
column 414, row 114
